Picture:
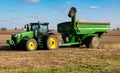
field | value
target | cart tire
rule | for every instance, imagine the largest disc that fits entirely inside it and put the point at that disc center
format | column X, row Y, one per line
column 92, row 42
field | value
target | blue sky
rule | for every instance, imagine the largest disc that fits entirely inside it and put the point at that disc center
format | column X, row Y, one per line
column 17, row 13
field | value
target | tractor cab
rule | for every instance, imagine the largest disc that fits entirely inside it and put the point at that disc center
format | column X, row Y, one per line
column 42, row 27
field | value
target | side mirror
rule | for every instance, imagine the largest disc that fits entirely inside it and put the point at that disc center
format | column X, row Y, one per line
column 26, row 27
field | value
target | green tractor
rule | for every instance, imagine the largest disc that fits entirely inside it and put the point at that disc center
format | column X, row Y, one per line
column 36, row 36
column 73, row 34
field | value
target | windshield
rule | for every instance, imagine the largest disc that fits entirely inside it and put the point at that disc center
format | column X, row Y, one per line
column 34, row 27
column 43, row 28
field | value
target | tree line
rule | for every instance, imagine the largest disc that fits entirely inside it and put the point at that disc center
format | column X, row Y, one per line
column 5, row 29
column 116, row 29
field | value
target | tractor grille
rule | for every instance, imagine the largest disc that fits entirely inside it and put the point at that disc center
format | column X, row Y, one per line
column 14, row 38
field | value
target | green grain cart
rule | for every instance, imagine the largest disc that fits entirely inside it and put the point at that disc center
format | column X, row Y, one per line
column 79, row 33
column 73, row 34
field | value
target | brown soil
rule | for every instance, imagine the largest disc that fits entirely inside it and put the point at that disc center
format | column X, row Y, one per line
column 44, row 58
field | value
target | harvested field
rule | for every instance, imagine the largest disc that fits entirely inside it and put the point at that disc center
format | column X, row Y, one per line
column 105, row 59
column 9, row 32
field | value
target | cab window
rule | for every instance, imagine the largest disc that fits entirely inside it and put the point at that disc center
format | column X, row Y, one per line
column 43, row 28
column 35, row 27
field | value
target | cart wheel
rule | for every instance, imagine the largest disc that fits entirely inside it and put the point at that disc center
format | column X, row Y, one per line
column 31, row 44
column 92, row 42
column 51, row 42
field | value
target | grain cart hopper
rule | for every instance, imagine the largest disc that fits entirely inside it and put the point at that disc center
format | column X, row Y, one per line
column 36, row 36
column 79, row 33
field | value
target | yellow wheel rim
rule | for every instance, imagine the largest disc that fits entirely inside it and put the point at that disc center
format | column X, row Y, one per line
column 31, row 45
column 53, row 42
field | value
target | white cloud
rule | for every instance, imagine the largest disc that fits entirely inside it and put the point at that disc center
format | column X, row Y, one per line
column 93, row 7
column 34, row 1
column 68, row 3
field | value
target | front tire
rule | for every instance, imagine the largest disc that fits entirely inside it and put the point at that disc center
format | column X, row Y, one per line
column 51, row 42
column 31, row 45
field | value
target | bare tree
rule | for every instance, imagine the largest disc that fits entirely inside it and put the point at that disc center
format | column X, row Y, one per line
column 3, row 29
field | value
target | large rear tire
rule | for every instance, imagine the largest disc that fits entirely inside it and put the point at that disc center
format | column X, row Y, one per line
column 31, row 45
column 92, row 42
column 51, row 42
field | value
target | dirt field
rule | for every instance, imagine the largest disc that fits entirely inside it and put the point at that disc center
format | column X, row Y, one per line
column 63, row 56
